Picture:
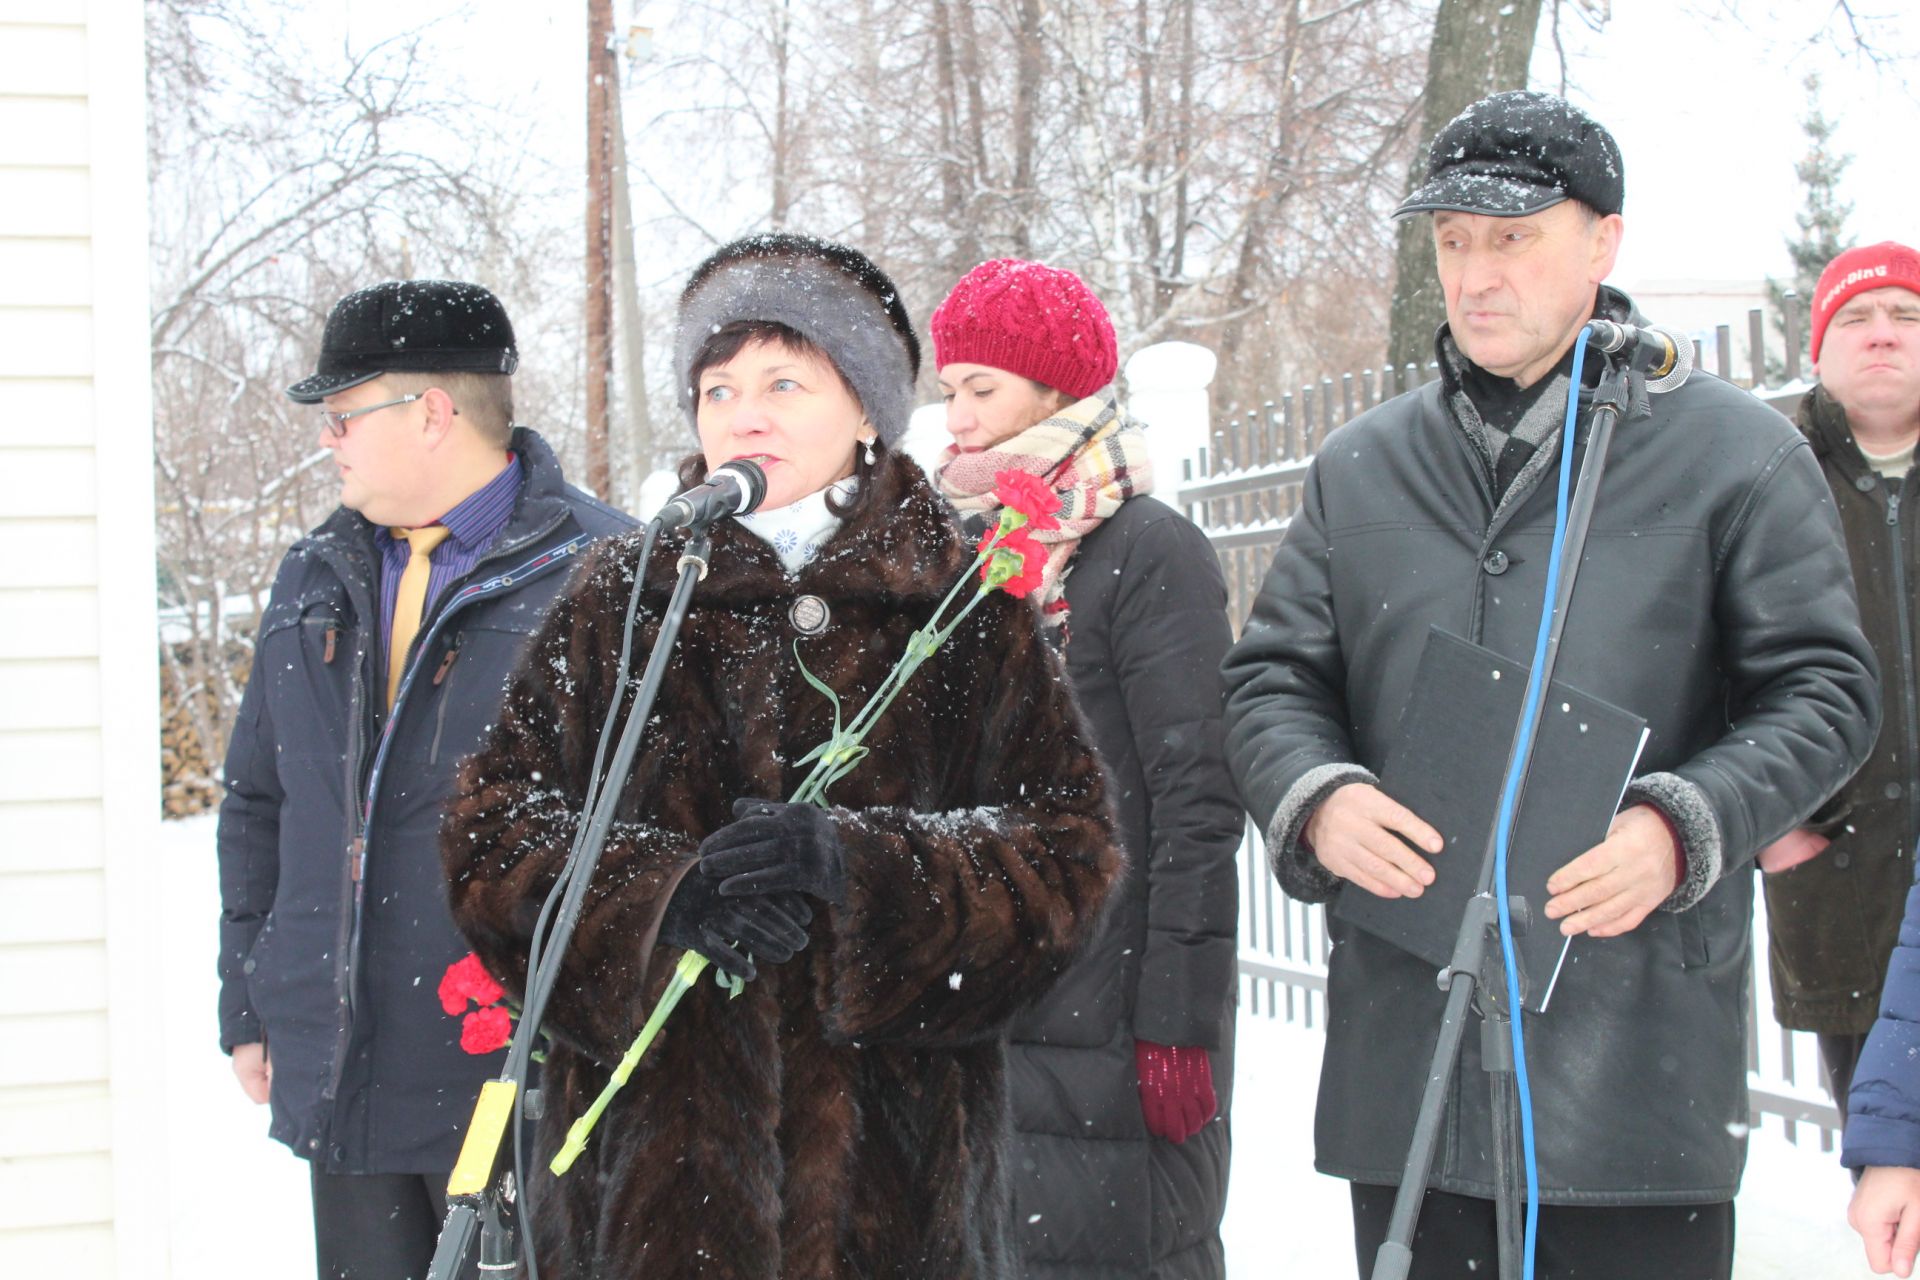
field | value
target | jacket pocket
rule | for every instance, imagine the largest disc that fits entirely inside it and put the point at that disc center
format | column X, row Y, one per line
column 256, row 968
column 1694, row 952
column 454, row 701
column 1818, row 939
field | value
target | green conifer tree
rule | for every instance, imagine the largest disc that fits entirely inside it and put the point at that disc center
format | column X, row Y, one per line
column 1822, row 221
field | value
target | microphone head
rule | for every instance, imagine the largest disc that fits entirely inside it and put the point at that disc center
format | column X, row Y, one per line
column 1682, row 362
column 753, row 482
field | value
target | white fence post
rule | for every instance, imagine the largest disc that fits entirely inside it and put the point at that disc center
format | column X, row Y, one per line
column 1167, row 390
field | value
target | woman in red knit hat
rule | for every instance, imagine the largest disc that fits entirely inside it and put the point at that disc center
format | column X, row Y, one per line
column 1121, row 1075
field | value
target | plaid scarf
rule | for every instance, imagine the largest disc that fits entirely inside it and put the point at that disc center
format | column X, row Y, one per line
column 1094, row 457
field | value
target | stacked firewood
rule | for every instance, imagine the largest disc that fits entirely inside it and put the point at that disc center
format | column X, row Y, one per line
column 187, row 777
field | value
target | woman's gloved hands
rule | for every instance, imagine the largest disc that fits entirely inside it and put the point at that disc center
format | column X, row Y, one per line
column 771, row 847
column 732, row 931
column 749, row 900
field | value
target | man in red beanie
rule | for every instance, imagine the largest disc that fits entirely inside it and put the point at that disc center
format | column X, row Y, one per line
column 1835, row 887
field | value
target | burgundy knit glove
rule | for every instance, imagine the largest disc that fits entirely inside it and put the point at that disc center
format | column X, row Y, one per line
column 1176, row 1089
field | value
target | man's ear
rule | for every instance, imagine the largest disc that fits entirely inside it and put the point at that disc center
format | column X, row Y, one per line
column 441, row 414
column 1607, row 234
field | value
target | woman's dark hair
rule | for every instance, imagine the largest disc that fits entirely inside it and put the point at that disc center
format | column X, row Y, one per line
column 723, row 345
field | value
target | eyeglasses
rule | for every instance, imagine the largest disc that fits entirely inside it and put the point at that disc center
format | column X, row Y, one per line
column 336, row 423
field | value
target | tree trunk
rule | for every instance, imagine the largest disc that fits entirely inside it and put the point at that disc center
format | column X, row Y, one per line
column 600, row 86
column 1479, row 47
column 1028, row 69
column 781, row 38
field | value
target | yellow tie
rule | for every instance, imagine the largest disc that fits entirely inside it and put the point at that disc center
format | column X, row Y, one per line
column 411, row 599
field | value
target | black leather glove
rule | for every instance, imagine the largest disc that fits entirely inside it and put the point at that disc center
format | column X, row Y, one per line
column 772, row 927
column 771, row 847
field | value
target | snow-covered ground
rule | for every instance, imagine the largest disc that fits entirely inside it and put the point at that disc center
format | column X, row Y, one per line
column 238, row 1202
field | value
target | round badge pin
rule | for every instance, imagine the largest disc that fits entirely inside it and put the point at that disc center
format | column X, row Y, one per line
column 809, row 615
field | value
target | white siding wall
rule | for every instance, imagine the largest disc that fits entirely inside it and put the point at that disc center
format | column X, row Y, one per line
column 78, row 735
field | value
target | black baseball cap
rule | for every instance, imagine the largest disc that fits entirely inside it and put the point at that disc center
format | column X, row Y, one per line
column 1517, row 153
column 410, row 326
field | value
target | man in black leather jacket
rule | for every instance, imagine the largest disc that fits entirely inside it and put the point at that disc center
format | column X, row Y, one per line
column 1714, row 601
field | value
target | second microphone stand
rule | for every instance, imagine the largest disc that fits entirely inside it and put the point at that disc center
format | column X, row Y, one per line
column 1476, row 973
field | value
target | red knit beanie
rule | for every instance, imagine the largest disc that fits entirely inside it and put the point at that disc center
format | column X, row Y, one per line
column 1886, row 265
column 1030, row 319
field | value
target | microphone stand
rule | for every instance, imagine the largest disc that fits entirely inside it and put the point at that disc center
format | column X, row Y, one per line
column 482, row 1195
column 1476, row 973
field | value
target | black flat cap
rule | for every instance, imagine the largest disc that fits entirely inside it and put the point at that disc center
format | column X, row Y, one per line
column 410, row 326
column 1517, row 153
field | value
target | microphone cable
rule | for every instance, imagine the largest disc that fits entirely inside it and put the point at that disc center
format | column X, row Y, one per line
column 1509, row 800
column 536, row 945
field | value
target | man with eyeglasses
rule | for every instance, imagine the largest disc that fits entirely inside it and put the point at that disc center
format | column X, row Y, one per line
column 378, row 665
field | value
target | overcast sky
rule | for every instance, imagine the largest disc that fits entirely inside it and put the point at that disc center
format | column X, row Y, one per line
column 1705, row 97
column 1707, row 108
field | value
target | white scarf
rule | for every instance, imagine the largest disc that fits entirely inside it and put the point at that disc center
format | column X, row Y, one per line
column 798, row 531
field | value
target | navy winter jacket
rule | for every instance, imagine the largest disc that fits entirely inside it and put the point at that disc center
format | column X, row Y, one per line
column 334, row 928
column 1883, row 1104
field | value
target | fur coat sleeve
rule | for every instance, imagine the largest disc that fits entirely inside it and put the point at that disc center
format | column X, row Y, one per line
column 957, row 918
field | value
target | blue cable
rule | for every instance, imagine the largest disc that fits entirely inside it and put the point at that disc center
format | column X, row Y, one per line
column 1509, row 795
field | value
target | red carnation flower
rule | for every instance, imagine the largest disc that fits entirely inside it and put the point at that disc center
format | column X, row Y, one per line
column 1030, row 496
column 467, row 979
column 485, row 1030
column 1016, row 563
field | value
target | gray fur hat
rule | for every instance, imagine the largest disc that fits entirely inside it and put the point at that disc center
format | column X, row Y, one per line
column 829, row 294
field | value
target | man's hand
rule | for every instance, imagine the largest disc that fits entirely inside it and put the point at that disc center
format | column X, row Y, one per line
column 1790, row 850
column 255, row 1070
column 1886, row 1213
column 1352, row 833
column 1611, row 888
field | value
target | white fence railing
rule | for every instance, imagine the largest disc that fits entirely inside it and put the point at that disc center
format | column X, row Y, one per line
column 1283, row 974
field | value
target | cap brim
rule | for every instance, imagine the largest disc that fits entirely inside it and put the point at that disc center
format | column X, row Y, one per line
column 1480, row 193
column 321, row 385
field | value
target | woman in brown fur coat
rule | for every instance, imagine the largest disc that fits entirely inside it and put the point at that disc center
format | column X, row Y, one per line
column 846, row 1116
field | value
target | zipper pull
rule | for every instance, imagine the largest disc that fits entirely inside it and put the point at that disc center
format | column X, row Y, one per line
column 333, row 635
column 446, row 663
column 1893, row 506
column 357, row 859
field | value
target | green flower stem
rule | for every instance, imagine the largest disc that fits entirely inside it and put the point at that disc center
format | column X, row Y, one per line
column 813, row 789
column 685, row 974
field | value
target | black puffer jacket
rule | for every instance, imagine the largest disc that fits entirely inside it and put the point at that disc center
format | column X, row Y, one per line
column 334, row 928
column 1832, row 921
column 1094, row 1193
column 1714, row 600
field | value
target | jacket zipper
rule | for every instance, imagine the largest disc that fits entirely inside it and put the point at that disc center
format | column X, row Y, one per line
column 1904, row 607
column 439, row 678
column 370, row 790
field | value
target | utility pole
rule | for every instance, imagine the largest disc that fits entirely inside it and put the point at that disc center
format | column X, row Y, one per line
column 638, row 444
column 602, row 84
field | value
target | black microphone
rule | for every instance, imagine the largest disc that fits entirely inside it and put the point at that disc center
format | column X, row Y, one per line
column 1664, row 356
column 730, row 489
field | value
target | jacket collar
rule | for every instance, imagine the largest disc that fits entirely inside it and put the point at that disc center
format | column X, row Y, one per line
column 902, row 543
column 542, row 500
column 1824, row 423
column 1549, row 408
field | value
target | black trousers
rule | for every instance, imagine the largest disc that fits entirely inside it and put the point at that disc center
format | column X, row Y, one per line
column 379, row 1226
column 1454, row 1239
column 1840, row 1054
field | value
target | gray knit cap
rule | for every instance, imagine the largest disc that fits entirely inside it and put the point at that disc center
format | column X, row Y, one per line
column 831, row 295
